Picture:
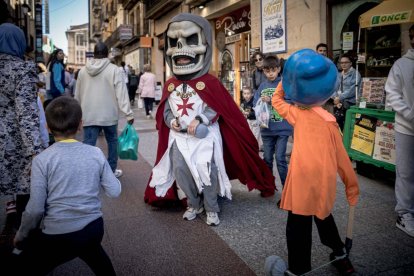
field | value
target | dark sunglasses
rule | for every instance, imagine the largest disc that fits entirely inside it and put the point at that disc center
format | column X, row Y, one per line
column 258, row 59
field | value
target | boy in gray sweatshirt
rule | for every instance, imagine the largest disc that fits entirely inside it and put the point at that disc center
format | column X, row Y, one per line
column 64, row 199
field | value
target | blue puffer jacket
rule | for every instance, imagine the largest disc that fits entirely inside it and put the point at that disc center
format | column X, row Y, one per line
column 277, row 125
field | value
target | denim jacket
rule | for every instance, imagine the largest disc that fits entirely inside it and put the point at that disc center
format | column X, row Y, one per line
column 346, row 91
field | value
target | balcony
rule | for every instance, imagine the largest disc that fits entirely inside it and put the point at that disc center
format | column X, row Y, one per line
column 119, row 36
column 156, row 8
column 129, row 4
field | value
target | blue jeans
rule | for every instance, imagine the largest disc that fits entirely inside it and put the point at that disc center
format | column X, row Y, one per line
column 90, row 135
column 276, row 144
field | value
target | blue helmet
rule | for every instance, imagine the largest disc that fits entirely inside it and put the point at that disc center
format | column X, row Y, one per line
column 309, row 78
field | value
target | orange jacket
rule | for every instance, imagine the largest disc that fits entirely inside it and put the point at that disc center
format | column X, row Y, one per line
column 318, row 155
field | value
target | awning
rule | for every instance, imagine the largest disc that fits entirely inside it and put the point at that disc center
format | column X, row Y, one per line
column 388, row 12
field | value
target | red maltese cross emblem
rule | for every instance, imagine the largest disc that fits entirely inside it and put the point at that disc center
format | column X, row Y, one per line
column 184, row 107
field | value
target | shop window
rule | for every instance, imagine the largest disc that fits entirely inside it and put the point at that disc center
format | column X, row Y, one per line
column 383, row 48
column 227, row 72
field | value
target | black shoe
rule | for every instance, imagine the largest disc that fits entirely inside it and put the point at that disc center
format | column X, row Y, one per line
column 342, row 264
column 278, row 204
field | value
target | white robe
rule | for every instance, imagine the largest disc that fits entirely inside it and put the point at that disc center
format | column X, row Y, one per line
column 197, row 153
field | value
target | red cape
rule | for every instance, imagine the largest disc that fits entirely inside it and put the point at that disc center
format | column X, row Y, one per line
column 240, row 148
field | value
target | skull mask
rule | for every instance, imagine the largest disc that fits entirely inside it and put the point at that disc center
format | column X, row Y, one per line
column 187, row 47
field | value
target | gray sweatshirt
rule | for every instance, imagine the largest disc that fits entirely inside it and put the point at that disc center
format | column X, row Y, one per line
column 101, row 92
column 65, row 182
column 400, row 93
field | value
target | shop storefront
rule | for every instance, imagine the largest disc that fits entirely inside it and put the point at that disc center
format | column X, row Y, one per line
column 232, row 37
column 369, row 128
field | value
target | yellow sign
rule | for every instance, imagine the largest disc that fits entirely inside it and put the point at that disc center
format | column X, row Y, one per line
column 393, row 18
column 363, row 140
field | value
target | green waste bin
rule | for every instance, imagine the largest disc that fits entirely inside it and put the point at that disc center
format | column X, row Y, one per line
column 351, row 116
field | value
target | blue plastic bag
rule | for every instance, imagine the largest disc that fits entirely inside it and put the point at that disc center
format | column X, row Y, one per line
column 128, row 143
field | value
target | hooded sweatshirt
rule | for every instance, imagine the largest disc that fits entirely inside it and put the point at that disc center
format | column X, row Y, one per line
column 400, row 93
column 101, row 90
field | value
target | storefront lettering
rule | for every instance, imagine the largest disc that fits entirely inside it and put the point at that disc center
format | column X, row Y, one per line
column 231, row 26
column 389, row 18
column 235, row 22
column 273, row 7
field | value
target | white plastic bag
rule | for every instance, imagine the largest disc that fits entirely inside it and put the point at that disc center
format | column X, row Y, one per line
column 262, row 113
column 140, row 102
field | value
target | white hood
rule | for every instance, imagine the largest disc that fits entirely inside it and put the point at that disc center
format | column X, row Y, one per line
column 96, row 66
column 410, row 54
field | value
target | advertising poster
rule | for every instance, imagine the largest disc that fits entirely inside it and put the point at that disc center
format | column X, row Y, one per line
column 384, row 149
column 364, row 134
column 347, row 41
column 273, row 26
column 373, row 90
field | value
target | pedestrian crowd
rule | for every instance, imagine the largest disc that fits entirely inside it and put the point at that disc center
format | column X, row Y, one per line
column 204, row 141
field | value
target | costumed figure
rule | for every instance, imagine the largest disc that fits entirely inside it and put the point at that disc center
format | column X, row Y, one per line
column 204, row 140
column 318, row 155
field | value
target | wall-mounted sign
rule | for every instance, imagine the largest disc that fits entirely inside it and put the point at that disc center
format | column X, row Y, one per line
column 47, row 17
column 347, row 41
column 39, row 33
column 235, row 22
column 273, row 26
column 125, row 32
column 233, row 38
column 393, row 18
column 145, row 42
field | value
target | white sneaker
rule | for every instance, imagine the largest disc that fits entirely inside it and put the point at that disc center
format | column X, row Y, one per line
column 275, row 266
column 118, row 173
column 405, row 223
column 192, row 213
column 212, row 218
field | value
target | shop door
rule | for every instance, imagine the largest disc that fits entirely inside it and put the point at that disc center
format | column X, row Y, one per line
column 227, row 71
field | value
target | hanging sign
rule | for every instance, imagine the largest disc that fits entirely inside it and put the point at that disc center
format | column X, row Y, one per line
column 145, row 42
column 125, row 32
column 273, row 26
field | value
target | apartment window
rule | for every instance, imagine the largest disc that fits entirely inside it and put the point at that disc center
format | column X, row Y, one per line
column 80, row 40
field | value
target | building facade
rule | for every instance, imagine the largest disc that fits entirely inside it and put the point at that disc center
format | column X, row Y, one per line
column 134, row 30
column 78, row 45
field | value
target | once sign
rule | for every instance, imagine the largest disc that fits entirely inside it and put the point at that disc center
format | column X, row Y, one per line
column 393, row 18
